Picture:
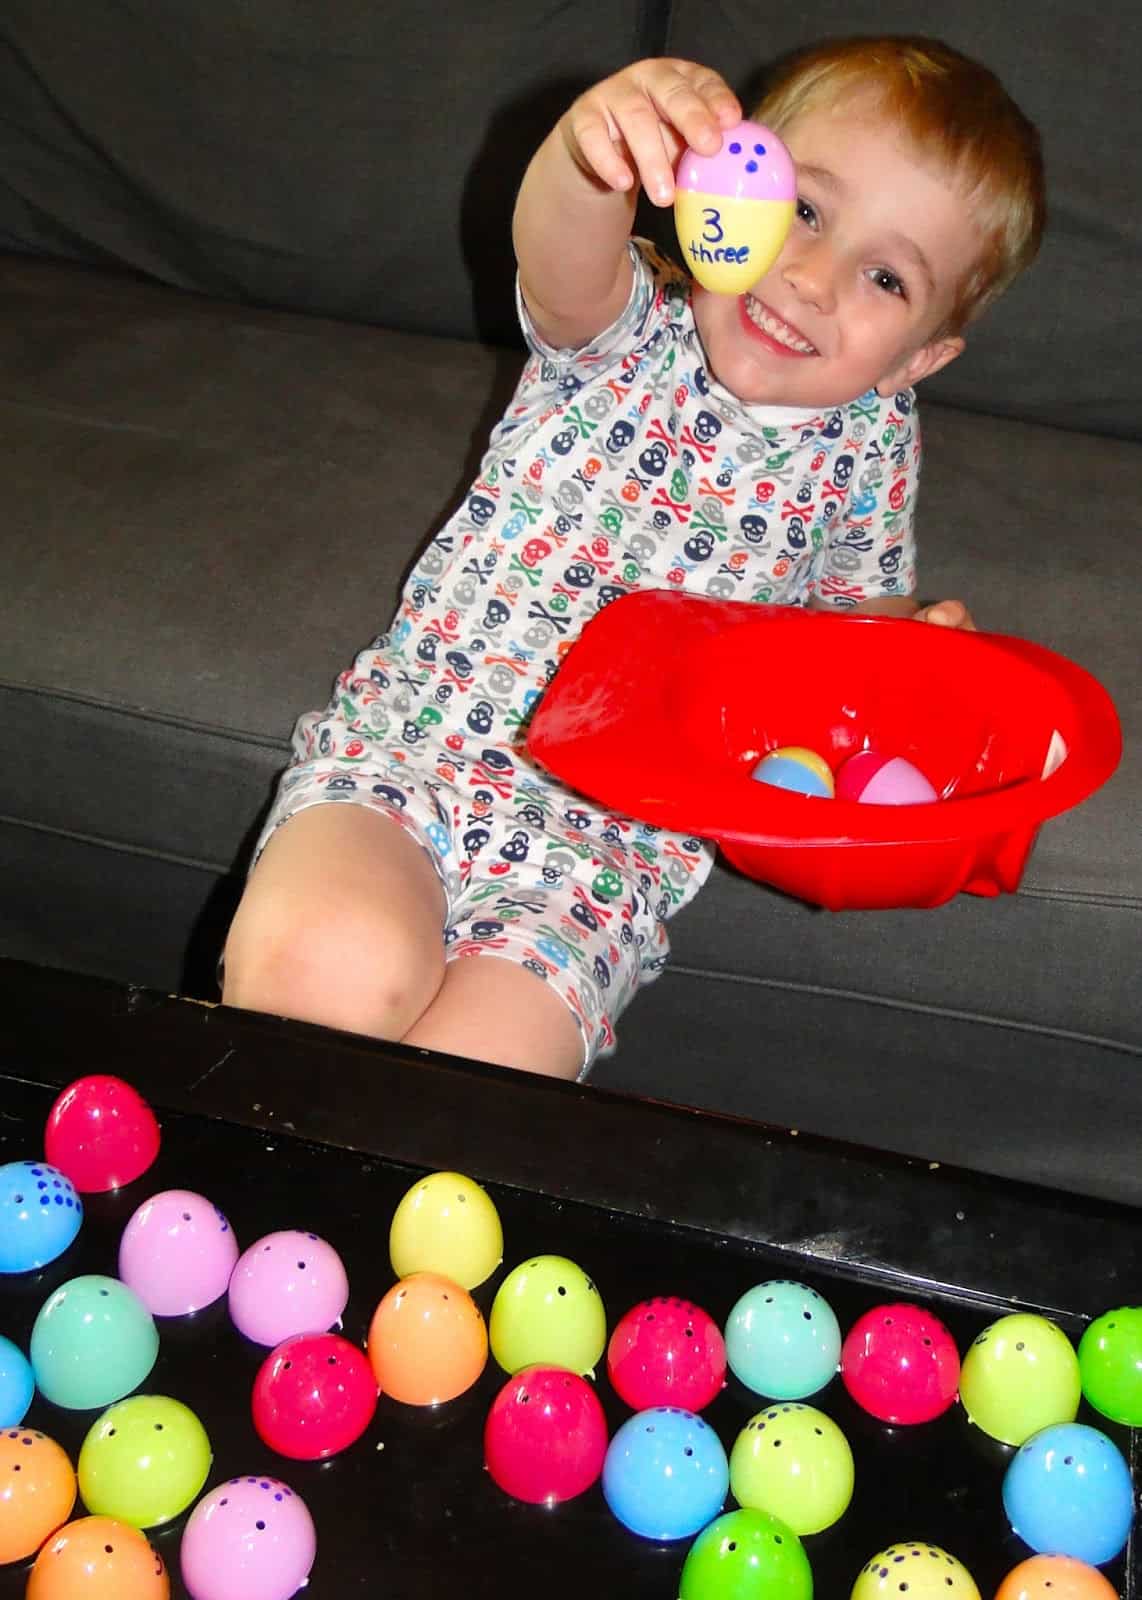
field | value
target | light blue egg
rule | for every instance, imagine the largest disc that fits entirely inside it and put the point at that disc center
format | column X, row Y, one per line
column 1067, row 1492
column 783, row 1340
column 665, row 1474
column 40, row 1214
column 92, row 1343
column 17, row 1384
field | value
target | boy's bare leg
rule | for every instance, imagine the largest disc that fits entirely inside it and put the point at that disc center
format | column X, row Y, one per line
column 490, row 1009
column 341, row 923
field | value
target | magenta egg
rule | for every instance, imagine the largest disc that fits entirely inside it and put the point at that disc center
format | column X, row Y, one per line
column 286, row 1283
column 314, row 1396
column 876, row 779
column 667, row 1352
column 177, row 1253
column 900, row 1363
column 545, row 1439
column 101, row 1133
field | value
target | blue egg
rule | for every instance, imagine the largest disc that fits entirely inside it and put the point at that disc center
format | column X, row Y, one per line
column 17, row 1385
column 40, row 1214
column 1067, row 1492
column 783, row 1340
column 665, row 1474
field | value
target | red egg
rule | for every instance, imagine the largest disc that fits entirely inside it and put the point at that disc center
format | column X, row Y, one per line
column 667, row 1352
column 101, row 1134
column 545, row 1439
column 901, row 1364
column 314, row 1395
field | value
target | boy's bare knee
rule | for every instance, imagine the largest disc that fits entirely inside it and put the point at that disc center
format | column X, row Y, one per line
column 349, row 968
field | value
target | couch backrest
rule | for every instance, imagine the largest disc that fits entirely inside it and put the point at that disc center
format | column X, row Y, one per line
column 360, row 158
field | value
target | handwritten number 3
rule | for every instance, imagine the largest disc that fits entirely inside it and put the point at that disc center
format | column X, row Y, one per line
column 714, row 232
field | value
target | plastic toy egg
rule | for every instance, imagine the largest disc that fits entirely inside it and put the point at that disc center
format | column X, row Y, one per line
column 876, row 779
column 793, row 1461
column 746, row 1555
column 314, row 1396
column 98, row 1558
column 799, row 770
column 427, row 1340
column 92, row 1343
column 447, row 1224
column 545, row 1439
column 40, row 1215
column 1067, row 1492
column 249, row 1539
column 783, row 1340
column 733, row 210
column 900, row 1364
column 37, row 1491
column 177, row 1253
column 1055, row 1578
column 924, row 1570
column 144, row 1461
column 287, row 1283
column 547, row 1312
column 101, row 1133
column 1110, row 1364
column 664, row 1352
column 1021, row 1374
column 17, row 1384
column 665, row 1474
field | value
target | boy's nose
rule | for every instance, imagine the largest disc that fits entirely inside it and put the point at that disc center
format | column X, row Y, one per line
column 811, row 272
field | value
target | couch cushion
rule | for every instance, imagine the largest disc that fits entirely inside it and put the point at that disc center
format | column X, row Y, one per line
column 1062, row 347
column 210, row 510
column 290, row 154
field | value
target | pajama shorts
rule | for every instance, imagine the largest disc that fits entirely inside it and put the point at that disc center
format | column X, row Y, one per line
column 562, row 891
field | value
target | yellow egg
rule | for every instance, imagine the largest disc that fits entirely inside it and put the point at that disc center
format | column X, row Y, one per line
column 447, row 1224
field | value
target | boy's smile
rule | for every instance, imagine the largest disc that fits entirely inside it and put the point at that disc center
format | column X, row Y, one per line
column 864, row 282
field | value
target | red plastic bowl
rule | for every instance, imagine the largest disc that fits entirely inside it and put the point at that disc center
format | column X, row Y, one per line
column 666, row 702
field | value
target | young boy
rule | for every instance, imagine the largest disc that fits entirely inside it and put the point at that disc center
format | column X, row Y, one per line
column 761, row 446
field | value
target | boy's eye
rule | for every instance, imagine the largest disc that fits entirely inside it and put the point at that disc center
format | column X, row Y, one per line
column 888, row 281
column 805, row 213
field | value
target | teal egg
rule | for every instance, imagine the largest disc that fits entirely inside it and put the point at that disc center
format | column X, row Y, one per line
column 783, row 1340
column 93, row 1342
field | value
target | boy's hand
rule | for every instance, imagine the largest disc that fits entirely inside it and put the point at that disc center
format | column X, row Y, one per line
column 632, row 127
column 946, row 614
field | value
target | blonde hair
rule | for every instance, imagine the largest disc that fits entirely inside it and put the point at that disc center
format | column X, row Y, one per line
column 953, row 109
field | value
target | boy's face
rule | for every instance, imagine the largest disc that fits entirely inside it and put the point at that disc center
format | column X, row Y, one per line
column 867, row 275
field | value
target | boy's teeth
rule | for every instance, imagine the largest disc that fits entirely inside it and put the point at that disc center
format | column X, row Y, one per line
column 776, row 329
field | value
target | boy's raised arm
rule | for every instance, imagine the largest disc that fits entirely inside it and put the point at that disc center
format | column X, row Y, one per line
column 576, row 204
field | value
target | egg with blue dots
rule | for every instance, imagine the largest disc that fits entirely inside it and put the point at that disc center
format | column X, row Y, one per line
column 40, row 1215
column 733, row 210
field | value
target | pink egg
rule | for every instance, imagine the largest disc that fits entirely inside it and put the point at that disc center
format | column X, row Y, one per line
column 287, row 1283
column 249, row 1539
column 177, row 1253
column 877, row 779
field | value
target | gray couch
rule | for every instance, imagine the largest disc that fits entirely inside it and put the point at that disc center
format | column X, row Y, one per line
column 256, row 323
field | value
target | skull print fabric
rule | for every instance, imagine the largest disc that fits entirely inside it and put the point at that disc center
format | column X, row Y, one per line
column 619, row 466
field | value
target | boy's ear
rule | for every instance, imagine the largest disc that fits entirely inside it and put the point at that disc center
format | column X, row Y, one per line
column 922, row 363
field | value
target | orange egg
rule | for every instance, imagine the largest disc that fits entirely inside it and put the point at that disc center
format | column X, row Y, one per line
column 427, row 1340
column 98, row 1558
column 37, row 1491
column 1055, row 1578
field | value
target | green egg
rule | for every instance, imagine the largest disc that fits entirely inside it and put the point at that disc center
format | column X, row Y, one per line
column 144, row 1461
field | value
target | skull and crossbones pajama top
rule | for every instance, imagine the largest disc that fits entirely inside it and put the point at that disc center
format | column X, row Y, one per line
column 620, row 466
